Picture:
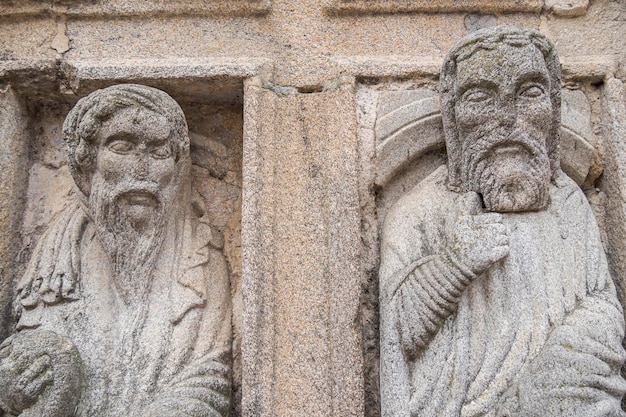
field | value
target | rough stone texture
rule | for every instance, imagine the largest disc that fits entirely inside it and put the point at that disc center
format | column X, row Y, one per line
column 614, row 182
column 408, row 125
column 117, row 8
column 13, row 180
column 568, row 8
column 125, row 305
column 56, row 365
column 577, row 139
column 301, row 303
column 202, row 52
column 496, row 298
column 438, row 6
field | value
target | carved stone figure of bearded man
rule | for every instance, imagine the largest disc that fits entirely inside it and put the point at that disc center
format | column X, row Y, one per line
column 125, row 306
column 496, row 298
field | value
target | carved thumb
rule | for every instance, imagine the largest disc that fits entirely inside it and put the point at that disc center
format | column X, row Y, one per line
column 471, row 203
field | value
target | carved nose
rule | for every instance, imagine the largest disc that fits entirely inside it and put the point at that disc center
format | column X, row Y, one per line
column 141, row 169
column 507, row 113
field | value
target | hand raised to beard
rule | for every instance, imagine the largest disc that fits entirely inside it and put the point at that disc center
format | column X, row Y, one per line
column 478, row 239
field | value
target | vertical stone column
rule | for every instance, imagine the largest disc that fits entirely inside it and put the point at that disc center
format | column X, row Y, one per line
column 301, row 243
column 614, row 183
column 13, row 187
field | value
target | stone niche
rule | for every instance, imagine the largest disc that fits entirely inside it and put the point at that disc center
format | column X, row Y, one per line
column 401, row 134
column 36, row 99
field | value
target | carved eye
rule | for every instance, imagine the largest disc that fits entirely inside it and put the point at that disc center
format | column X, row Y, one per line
column 162, row 152
column 121, row 147
column 476, row 96
column 532, row 91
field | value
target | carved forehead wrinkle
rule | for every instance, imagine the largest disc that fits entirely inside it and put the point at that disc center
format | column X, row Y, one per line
column 500, row 65
column 136, row 121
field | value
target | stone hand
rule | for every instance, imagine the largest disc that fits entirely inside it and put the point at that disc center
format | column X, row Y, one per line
column 40, row 374
column 478, row 240
column 24, row 374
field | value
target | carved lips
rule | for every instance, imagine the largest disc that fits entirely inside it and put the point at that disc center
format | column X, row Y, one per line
column 140, row 198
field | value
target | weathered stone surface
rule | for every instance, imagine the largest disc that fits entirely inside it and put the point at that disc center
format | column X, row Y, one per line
column 568, row 7
column 495, row 297
column 117, row 8
column 614, row 183
column 125, row 306
column 577, row 139
column 409, row 125
column 439, row 6
column 405, row 132
column 202, row 52
column 301, row 305
column 13, row 181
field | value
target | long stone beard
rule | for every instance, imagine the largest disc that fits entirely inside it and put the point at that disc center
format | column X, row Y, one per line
column 132, row 246
column 510, row 171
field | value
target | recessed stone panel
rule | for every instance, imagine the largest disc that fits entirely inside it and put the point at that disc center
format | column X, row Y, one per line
column 201, row 238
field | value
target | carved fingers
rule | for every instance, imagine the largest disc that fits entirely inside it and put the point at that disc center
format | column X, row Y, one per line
column 23, row 375
column 478, row 239
column 39, row 374
column 35, row 378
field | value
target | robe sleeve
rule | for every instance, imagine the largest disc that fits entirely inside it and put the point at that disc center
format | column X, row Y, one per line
column 428, row 294
column 420, row 287
column 421, row 282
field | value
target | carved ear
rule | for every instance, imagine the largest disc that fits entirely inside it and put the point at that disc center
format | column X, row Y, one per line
column 83, row 155
column 85, row 161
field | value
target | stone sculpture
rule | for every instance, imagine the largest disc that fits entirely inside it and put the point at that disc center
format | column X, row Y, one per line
column 496, row 298
column 125, row 306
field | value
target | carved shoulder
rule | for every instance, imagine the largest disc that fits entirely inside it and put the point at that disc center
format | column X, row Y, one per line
column 414, row 226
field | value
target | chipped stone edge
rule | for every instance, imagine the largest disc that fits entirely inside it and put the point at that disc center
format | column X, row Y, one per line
column 71, row 74
column 442, row 6
column 568, row 8
column 143, row 8
column 390, row 66
column 135, row 69
column 579, row 68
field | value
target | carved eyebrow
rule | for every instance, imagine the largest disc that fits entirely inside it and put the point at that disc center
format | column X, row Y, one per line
column 536, row 76
column 126, row 136
column 476, row 83
column 155, row 142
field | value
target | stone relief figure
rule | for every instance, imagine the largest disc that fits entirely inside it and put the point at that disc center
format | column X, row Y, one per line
column 125, row 306
column 496, row 298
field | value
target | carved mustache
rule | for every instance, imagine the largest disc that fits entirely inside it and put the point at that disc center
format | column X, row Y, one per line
column 139, row 192
column 484, row 146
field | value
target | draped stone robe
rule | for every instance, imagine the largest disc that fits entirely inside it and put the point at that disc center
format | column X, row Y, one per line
column 538, row 334
column 166, row 355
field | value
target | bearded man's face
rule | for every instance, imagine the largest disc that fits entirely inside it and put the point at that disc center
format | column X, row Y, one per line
column 136, row 163
column 504, row 116
column 132, row 191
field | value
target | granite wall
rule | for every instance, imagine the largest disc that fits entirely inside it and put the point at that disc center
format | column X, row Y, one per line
column 308, row 120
